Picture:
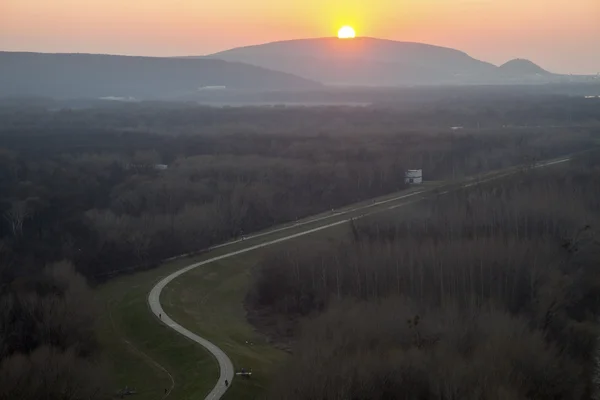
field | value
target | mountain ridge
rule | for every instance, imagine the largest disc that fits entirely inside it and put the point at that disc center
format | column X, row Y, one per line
column 371, row 61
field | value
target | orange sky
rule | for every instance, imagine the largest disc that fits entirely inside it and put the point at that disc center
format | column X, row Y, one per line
column 561, row 35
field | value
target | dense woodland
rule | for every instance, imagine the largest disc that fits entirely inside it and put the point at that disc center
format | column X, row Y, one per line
column 486, row 293
column 48, row 348
column 82, row 199
column 81, row 185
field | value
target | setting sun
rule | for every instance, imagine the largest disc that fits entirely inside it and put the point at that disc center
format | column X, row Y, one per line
column 346, row 32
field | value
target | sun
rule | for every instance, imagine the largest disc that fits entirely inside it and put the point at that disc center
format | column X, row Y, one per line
column 346, row 32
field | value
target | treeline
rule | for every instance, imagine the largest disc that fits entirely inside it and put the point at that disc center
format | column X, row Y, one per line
column 485, row 293
column 483, row 109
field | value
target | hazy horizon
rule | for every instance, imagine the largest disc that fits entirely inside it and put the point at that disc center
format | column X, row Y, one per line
column 559, row 35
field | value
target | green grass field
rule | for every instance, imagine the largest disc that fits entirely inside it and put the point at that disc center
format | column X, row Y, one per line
column 209, row 301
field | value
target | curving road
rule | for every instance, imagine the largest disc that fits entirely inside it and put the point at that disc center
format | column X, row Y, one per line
column 225, row 364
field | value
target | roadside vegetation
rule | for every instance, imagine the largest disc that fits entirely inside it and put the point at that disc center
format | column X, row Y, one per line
column 489, row 292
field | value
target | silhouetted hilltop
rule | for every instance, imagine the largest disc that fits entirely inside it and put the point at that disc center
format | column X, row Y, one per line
column 522, row 67
column 369, row 61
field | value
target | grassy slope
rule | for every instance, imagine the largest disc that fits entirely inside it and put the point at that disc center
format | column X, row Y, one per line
column 209, row 302
column 149, row 343
column 134, row 342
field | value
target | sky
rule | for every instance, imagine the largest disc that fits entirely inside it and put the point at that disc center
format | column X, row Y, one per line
column 561, row 35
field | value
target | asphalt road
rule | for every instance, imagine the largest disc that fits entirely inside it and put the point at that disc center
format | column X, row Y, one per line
column 225, row 364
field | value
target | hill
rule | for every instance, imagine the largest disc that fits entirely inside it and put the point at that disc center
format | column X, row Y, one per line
column 90, row 75
column 521, row 67
column 367, row 61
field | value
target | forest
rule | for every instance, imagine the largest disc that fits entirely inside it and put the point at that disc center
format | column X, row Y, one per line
column 83, row 185
column 489, row 292
column 88, row 194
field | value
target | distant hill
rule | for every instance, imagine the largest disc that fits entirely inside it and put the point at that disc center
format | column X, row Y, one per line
column 93, row 76
column 370, row 61
column 521, row 67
